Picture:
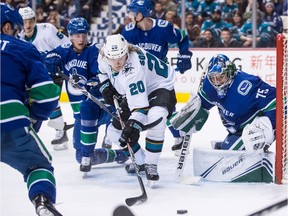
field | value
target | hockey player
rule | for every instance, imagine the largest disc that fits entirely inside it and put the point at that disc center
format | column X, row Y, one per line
column 79, row 62
column 21, row 148
column 246, row 105
column 148, row 85
column 45, row 37
column 154, row 36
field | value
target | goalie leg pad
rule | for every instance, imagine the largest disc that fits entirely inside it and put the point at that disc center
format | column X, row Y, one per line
column 192, row 114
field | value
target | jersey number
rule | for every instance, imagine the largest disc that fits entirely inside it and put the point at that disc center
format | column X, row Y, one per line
column 136, row 88
column 160, row 67
column 59, row 35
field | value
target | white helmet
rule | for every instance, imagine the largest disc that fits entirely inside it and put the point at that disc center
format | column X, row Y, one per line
column 27, row 13
column 115, row 47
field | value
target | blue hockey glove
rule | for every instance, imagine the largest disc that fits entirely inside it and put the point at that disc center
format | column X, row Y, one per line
column 92, row 87
column 108, row 91
column 52, row 63
column 131, row 133
column 184, row 61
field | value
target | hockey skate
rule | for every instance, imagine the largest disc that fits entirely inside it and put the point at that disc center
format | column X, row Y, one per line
column 106, row 143
column 130, row 168
column 44, row 206
column 60, row 142
column 151, row 174
column 85, row 165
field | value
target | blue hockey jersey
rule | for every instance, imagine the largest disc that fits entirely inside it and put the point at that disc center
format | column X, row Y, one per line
column 22, row 69
column 80, row 67
column 247, row 97
column 156, row 40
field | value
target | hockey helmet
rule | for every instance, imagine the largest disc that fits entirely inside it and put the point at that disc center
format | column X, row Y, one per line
column 12, row 16
column 78, row 26
column 27, row 13
column 141, row 6
column 221, row 72
column 115, row 46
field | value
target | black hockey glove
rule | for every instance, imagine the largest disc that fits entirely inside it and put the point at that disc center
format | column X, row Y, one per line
column 184, row 61
column 108, row 91
column 52, row 63
column 131, row 133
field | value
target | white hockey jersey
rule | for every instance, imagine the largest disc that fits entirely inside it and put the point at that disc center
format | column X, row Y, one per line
column 142, row 74
column 46, row 37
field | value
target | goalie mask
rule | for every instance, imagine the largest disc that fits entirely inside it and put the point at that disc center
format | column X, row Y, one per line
column 221, row 72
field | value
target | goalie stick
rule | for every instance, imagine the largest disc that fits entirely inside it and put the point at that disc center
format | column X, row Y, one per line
column 99, row 103
column 143, row 197
column 179, row 177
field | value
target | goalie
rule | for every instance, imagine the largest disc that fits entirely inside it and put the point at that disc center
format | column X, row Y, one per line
column 246, row 105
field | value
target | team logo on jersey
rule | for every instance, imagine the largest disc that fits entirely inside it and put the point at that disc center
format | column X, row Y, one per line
column 77, row 78
column 128, row 69
column 244, row 87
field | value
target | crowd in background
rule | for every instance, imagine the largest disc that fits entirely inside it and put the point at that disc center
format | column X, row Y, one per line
column 208, row 23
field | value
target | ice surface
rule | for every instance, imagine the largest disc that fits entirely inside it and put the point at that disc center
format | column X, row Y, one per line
column 108, row 185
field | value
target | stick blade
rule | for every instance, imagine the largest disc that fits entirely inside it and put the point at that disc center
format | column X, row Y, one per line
column 122, row 211
column 136, row 200
column 189, row 180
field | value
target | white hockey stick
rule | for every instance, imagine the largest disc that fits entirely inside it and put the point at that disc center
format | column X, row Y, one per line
column 179, row 177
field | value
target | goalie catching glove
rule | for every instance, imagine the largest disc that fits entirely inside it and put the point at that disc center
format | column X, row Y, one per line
column 258, row 134
column 131, row 133
column 192, row 114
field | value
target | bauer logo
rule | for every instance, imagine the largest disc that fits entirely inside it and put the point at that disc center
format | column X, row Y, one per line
column 244, row 87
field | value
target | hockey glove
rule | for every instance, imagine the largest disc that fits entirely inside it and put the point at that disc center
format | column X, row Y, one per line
column 258, row 134
column 92, row 87
column 108, row 91
column 131, row 133
column 52, row 63
column 184, row 61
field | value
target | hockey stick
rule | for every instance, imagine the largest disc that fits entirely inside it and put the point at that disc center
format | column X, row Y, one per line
column 184, row 152
column 99, row 103
column 143, row 197
column 271, row 208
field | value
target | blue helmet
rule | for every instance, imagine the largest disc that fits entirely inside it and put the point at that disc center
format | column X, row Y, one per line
column 221, row 72
column 78, row 26
column 11, row 15
column 141, row 6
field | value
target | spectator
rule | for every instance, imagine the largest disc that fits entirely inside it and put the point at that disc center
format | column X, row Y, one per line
column 272, row 18
column 192, row 27
column 70, row 9
column 227, row 40
column 216, row 23
column 191, row 6
column 54, row 18
column 285, row 8
column 41, row 16
column 205, row 9
column 86, row 9
column 248, row 10
column 169, row 5
column 171, row 16
column 265, row 34
column 159, row 11
column 228, row 10
column 207, row 40
column 237, row 24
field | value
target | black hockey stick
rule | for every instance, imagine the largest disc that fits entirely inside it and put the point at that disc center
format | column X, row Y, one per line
column 99, row 103
column 271, row 208
column 143, row 197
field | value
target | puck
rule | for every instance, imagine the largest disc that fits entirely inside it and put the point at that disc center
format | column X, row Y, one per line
column 182, row 211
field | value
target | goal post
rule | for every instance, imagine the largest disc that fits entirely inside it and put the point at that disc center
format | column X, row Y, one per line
column 281, row 166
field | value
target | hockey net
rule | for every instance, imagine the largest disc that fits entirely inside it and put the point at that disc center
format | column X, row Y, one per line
column 281, row 172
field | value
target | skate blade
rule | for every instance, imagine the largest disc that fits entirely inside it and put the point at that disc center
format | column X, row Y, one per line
column 151, row 183
column 60, row 147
